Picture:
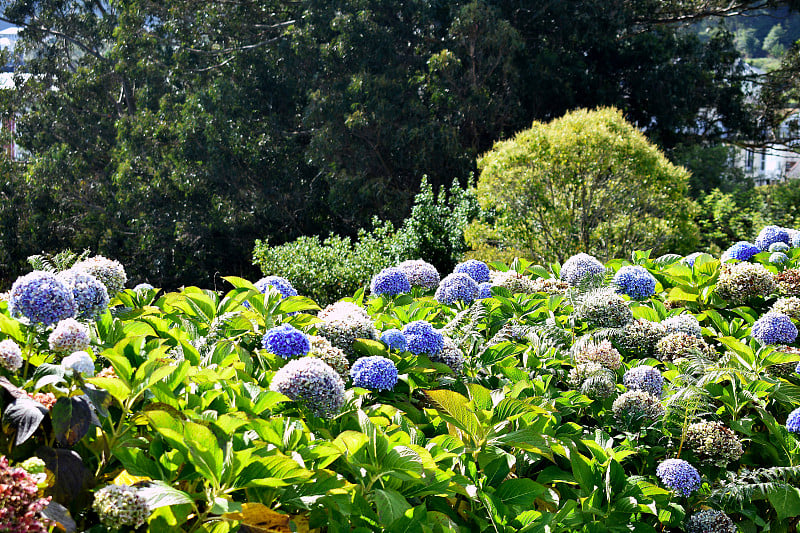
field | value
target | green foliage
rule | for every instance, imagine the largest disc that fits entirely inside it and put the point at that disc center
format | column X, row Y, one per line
column 588, row 181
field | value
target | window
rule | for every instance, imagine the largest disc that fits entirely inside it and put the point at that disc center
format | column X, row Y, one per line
column 748, row 160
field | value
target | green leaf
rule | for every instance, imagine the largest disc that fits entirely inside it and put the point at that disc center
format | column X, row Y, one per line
column 454, row 408
column 24, row 415
column 520, row 492
column 115, row 386
column 294, row 304
column 391, row 505
column 370, row 348
column 12, row 328
column 159, row 494
column 786, row 501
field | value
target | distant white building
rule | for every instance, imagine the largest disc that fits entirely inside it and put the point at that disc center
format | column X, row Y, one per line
column 8, row 38
column 773, row 164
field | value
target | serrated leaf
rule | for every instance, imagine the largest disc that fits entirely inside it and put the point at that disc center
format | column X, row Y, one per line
column 455, row 409
column 390, row 504
column 159, row 494
column 25, row 415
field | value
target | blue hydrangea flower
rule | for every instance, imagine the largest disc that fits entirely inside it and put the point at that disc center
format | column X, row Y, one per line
column 286, row 341
column 793, row 421
column 420, row 273
column 91, row 296
column 485, row 290
column 455, row 287
column 41, row 297
column 143, row 287
column 80, row 363
column 774, row 328
column 679, row 476
column 769, row 235
column 280, row 284
column 477, row 270
column 394, row 339
column 742, row 250
column 690, row 259
column 422, row 338
column 374, row 373
column 579, row 267
column 390, row 281
column 779, row 246
column 313, row 383
column 10, row 355
column 111, row 273
column 778, row 258
column 635, row 281
column 644, row 378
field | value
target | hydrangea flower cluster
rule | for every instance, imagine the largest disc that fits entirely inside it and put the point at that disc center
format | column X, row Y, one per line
column 714, row 442
column 550, row 286
column 679, row 476
column 91, row 296
column 581, row 267
column 374, row 373
column 593, row 380
column 456, row 286
column 678, row 345
column 47, row 399
column 286, row 341
column 684, row 323
column 710, row 521
column 20, row 506
column 644, row 378
column 477, row 270
column 793, row 421
column 343, row 323
column 742, row 251
column 69, row 336
column 778, row 258
column 394, row 339
column 635, row 408
column 779, row 246
column 635, row 281
column 120, row 505
column 421, row 338
column 37, row 470
column 739, row 282
column 313, row 383
column 603, row 353
column 770, row 235
column 485, row 290
column 788, row 282
column 774, row 328
column 796, row 239
column 390, row 281
column 691, row 258
column 80, row 363
column 10, row 355
column 322, row 349
column 280, row 284
column 788, row 306
column 41, row 297
column 604, row 309
column 639, row 338
column 110, row 273
column 451, row 355
column 514, row 282
column 420, row 273
column 143, row 287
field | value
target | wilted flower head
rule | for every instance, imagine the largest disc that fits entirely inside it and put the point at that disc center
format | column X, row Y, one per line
column 741, row 281
column 635, row 281
column 774, row 328
column 421, row 338
column 788, row 282
column 343, row 323
column 20, row 506
column 69, row 336
column 420, row 273
column 280, row 284
column 514, row 282
column 714, row 442
column 710, row 521
column 322, row 349
column 639, row 338
column 485, row 290
column 374, row 373
column 79, row 362
column 602, row 353
column 41, row 297
column 644, row 378
column 110, row 273
column 779, row 246
column 679, row 476
column 477, row 270
column 788, row 306
column 91, row 296
column 678, row 345
column 581, row 267
column 120, row 505
column 10, row 355
column 603, row 309
column 593, row 380
column 770, row 235
column 456, row 286
column 684, row 323
column 390, row 281
column 635, row 408
column 394, row 339
column 742, row 251
column 550, row 286
column 313, row 383
column 451, row 355
column 286, row 341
